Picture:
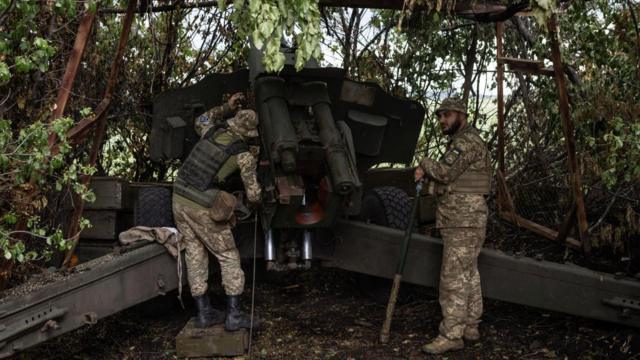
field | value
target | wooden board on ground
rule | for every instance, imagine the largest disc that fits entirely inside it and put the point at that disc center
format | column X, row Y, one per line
column 192, row 342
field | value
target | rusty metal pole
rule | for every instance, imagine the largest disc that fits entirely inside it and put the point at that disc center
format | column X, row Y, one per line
column 500, row 81
column 70, row 72
column 98, row 137
column 567, row 127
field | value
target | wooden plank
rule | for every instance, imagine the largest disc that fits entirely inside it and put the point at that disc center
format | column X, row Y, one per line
column 567, row 224
column 537, row 228
column 192, row 342
column 534, row 67
column 546, row 71
column 567, row 127
column 535, row 64
column 100, row 121
column 500, row 80
column 505, row 201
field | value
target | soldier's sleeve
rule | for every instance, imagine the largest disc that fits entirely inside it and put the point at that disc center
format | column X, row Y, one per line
column 210, row 118
column 247, row 164
column 455, row 161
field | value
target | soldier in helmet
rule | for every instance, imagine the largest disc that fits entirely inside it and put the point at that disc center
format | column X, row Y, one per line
column 204, row 212
column 460, row 179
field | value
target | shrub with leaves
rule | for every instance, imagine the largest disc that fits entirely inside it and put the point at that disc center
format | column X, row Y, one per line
column 22, row 49
column 266, row 22
column 29, row 173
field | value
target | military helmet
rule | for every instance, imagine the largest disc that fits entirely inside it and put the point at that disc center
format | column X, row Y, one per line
column 452, row 104
column 245, row 123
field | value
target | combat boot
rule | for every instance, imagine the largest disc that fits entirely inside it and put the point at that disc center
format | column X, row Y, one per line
column 471, row 333
column 441, row 345
column 236, row 319
column 207, row 315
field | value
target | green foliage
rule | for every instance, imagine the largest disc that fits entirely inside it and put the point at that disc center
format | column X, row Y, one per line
column 542, row 10
column 21, row 49
column 606, row 107
column 29, row 171
column 266, row 22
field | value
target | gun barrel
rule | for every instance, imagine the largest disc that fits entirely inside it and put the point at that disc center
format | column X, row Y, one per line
column 340, row 167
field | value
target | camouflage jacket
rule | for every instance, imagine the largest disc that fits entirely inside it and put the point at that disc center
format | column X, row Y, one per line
column 215, row 116
column 466, row 151
column 245, row 161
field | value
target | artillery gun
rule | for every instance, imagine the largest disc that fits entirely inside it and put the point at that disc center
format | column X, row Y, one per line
column 320, row 134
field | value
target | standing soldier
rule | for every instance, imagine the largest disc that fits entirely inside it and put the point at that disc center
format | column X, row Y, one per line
column 204, row 213
column 460, row 180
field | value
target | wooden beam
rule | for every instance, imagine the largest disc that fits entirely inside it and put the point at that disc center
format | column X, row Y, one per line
column 534, row 67
column 567, row 127
column 537, row 228
column 567, row 224
column 505, row 200
column 82, row 36
column 500, row 80
column 101, row 125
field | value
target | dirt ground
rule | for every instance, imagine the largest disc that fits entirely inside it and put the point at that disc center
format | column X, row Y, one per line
column 322, row 314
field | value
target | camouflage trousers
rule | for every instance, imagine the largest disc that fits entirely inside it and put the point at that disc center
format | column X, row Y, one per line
column 201, row 234
column 460, row 293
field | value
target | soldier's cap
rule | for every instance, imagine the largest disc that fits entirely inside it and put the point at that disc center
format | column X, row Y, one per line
column 452, row 104
column 245, row 123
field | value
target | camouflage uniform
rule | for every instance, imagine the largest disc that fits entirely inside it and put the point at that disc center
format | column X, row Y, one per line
column 209, row 228
column 461, row 178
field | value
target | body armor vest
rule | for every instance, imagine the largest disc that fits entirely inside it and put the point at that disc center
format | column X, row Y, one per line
column 475, row 180
column 195, row 179
column 472, row 182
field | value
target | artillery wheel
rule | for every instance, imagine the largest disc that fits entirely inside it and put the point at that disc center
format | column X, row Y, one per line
column 153, row 207
column 391, row 207
column 387, row 206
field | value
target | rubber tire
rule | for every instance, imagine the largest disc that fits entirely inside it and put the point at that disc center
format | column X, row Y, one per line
column 391, row 207
column 387, row 206
column 153, row 207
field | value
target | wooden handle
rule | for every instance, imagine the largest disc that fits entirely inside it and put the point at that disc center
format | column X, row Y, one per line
column 386, row 326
